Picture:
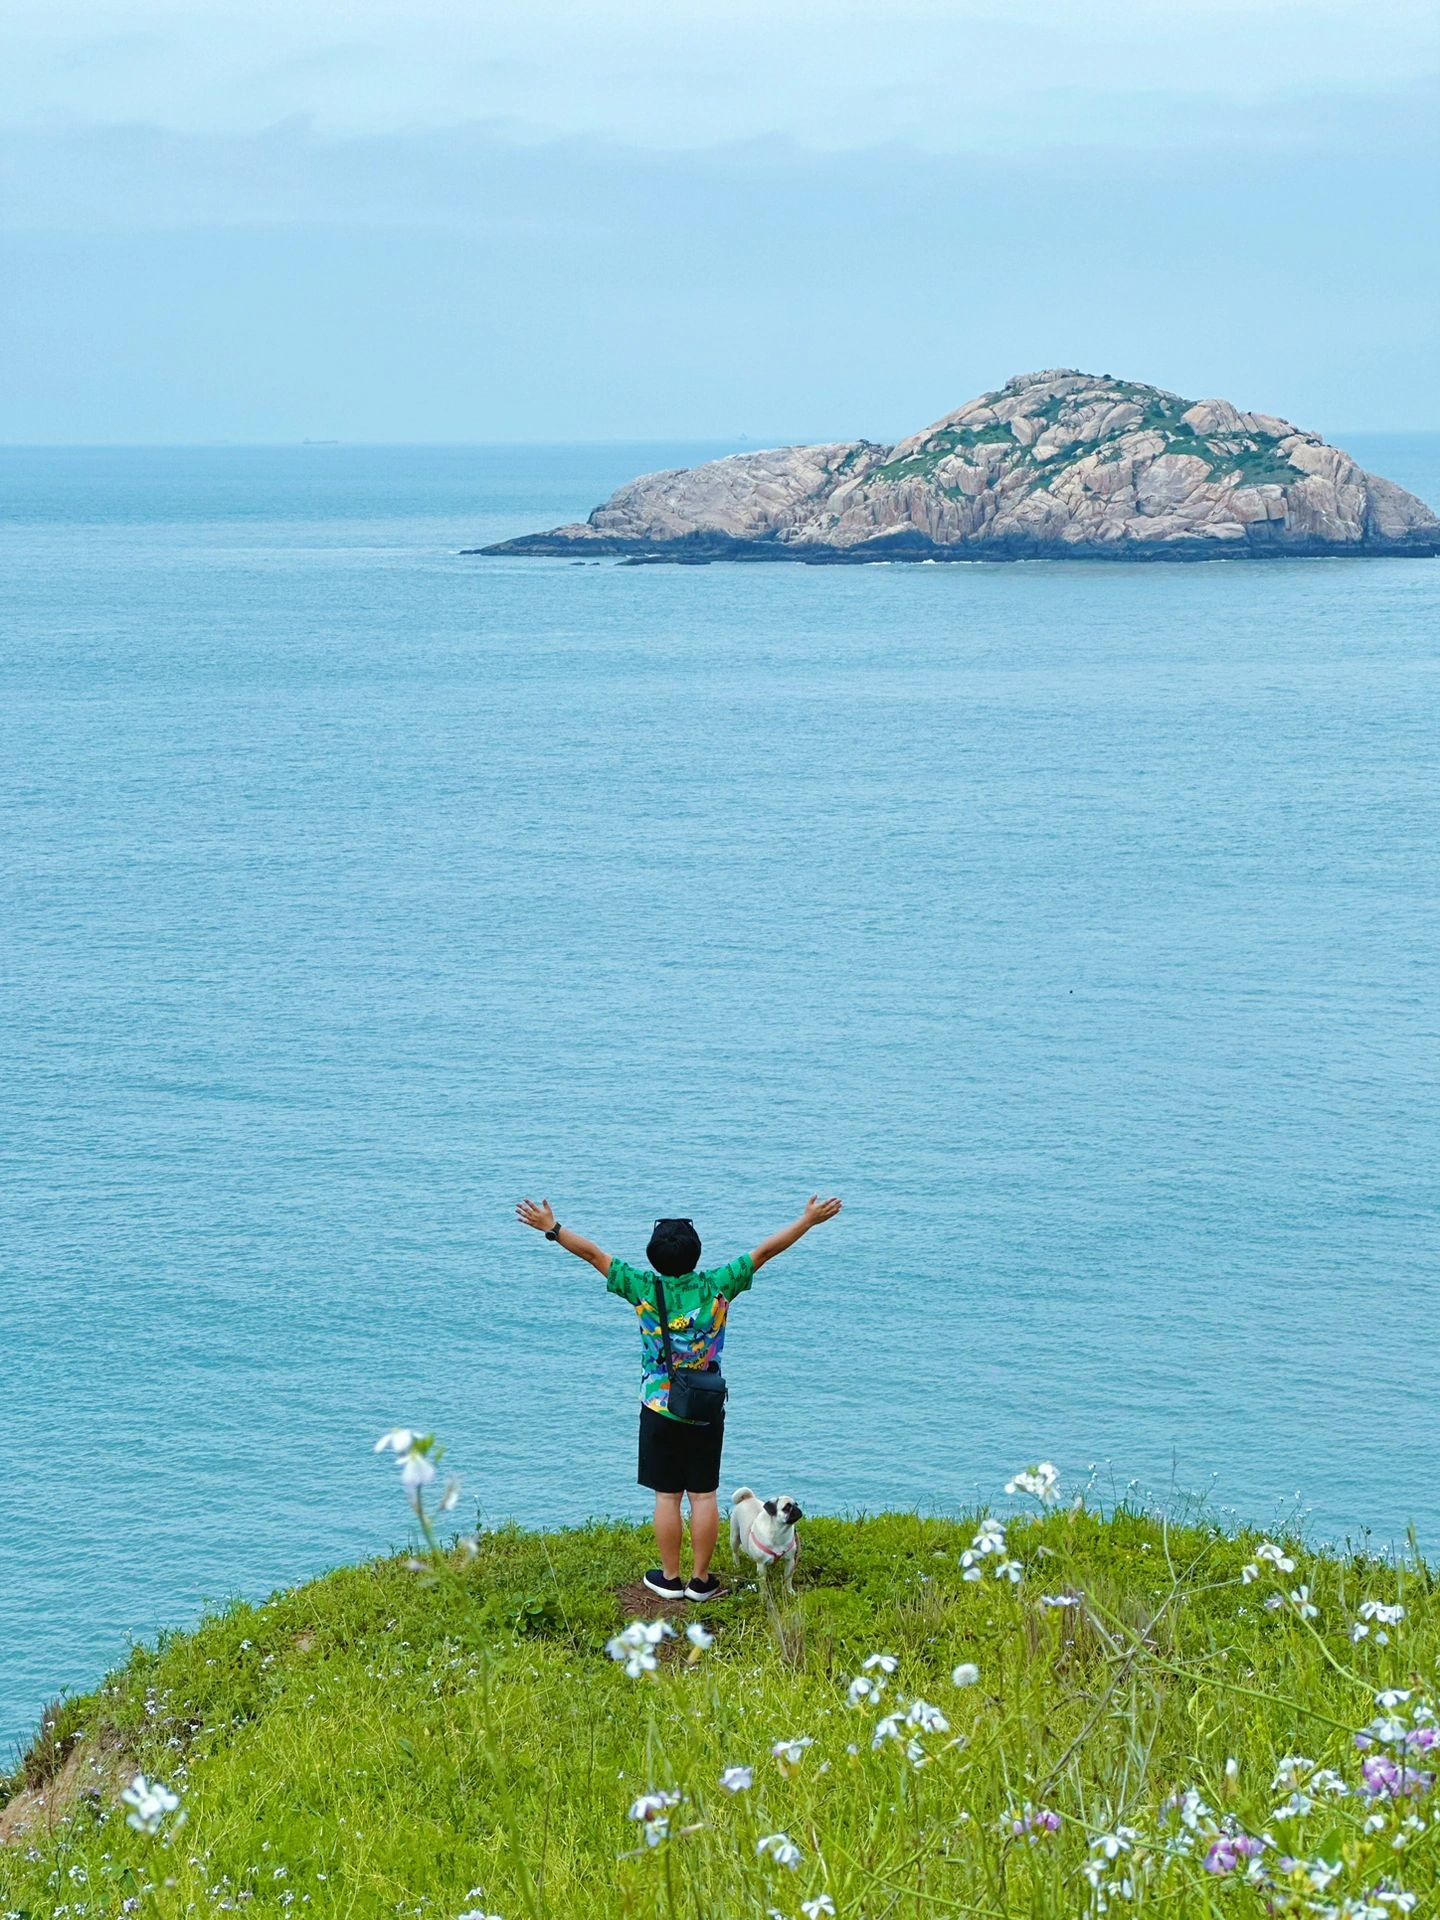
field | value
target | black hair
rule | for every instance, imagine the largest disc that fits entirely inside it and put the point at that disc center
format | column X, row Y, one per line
column 674, row 1248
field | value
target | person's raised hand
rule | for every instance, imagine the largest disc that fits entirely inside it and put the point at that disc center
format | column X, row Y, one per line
column 542, row 1218
column 817, row 1209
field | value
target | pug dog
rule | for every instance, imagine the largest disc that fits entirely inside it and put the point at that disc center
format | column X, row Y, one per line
column 764, row 1530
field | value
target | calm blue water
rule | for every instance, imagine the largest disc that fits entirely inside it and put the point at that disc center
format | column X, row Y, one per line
column 1078, row 925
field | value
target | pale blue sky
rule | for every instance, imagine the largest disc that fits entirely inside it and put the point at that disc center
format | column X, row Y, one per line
column 618, row 220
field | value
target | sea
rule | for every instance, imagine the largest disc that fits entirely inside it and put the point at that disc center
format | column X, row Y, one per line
column 1078, row 925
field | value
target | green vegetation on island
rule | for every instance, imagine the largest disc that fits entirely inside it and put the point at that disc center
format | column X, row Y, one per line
column 1251, row 458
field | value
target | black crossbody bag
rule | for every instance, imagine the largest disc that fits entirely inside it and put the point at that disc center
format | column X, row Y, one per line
column 696, row 1393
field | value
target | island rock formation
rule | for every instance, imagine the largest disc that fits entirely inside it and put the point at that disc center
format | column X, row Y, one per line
column 1055, row 465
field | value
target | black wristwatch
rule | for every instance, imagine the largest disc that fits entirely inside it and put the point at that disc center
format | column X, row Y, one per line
column 553, row 1233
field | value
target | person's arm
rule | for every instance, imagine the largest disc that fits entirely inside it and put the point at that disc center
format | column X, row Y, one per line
column 542, row 1218
column 816, row 1210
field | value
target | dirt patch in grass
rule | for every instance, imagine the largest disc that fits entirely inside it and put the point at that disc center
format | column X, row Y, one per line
column 94, row 1774
column 638, row 1603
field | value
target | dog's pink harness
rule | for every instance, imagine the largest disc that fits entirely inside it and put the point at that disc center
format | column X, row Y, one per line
column 773, row 1553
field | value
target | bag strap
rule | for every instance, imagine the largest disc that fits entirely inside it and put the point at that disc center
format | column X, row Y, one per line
column 665, row 1327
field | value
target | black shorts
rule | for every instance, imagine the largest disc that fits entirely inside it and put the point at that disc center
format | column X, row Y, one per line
column 679, row 1456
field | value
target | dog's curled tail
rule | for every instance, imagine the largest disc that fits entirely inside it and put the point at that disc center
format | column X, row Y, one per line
column 741, row 1493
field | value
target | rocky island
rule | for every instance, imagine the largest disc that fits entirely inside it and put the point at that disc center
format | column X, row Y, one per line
column 1054, row 465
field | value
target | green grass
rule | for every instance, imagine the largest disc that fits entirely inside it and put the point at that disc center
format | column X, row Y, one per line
column 941, row 445
column 852, row 459
column 1257, row 462
column 382, row 1743
column 1258, row 465
column 1161, row 412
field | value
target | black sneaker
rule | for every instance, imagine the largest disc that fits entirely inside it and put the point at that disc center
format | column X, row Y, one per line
column 661, row 1583
column 705, row 1588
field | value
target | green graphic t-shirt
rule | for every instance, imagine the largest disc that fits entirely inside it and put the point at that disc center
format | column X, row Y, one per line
column 698, row 1305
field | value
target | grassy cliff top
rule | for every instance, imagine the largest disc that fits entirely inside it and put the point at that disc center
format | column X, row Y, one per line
column 1087, row 1713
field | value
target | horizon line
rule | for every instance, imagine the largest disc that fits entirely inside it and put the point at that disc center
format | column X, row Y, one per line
column 340, row 444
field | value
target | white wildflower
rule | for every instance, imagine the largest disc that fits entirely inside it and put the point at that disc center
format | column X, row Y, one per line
column 635, row 1645
column 1392, row 1697
column 1292, row 1771
column 927, row 1719
column 781, row 1848
column 1277, row 1556
column 649, row 1804
column 737, row 1779
column 1060, row 1599
column 637, row 1660
column 644, row 1633
column 149, row 1802
column 821, row 1904
column 1191, row 1808
column 886, row 1662
column 699, row 1636
column 417, row 1470
column 791, row 1752
column 1010, row 1570
column 989, row 1539
column 652, row 1810
column 1041, row 1480
column 1378, row 1610
column 1249, row 1574
column 1301, row 1601
column 1388, row 1731
column 863, row 1688
column 1109, row 1846
column 967, row 1674
column 1295, row 1808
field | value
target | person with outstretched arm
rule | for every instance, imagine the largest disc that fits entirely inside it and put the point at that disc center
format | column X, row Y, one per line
column 680, row 1456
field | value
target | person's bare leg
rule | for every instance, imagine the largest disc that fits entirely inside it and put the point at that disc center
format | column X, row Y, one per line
column 704, row 1531
column 669, row 1531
